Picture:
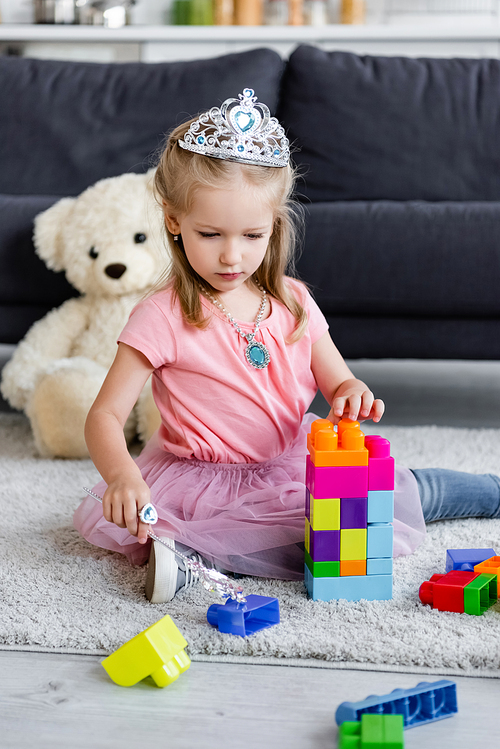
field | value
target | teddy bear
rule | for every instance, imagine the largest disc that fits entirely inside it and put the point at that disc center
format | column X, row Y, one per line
column 108, row 241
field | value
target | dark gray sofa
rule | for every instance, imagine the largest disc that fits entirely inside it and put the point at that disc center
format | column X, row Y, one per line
column 400, row 164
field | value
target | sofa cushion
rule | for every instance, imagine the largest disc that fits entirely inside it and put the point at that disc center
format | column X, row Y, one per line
column 377, row 128
column 28, row 289
column 412, row 259
column 78, row 122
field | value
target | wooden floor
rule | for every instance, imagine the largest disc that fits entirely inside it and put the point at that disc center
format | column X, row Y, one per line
column 69, row 702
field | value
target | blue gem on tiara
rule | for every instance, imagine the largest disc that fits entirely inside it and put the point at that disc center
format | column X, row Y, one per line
column 241, row 130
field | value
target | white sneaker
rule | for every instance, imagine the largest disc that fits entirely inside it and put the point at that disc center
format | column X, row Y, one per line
column 167, row 573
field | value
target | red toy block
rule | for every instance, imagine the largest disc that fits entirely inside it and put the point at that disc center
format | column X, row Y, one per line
column 446, row 592
column 381, row 466
column 332, row 482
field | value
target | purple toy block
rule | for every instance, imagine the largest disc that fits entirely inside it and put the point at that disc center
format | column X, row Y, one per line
column 353, row 512
column 332, row 482
column 324, row 546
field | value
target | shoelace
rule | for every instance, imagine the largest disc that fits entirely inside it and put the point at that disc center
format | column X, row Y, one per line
column 192, row 576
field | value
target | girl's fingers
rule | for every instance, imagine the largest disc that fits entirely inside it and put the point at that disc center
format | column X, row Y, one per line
column 338, row 407
column 367, row 400
column 131, row 520
column 354, row 406
column 378, row 409
column 142, row 533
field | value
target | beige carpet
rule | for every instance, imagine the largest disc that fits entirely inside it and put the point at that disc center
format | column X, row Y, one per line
column 60, row 594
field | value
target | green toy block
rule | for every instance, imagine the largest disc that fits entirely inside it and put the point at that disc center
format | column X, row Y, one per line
column 480, row 594
column 322, row 569
column 158, row 652
column 373, row 732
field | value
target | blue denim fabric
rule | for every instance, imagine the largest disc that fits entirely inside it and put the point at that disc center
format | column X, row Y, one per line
column 448, row 494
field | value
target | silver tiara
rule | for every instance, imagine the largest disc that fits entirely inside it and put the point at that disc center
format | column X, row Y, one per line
column 241, row 130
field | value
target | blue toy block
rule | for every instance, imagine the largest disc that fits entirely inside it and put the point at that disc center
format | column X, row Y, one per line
column 425, row 703
column 379, row 540
column 355, row 588
column 380, row 507
column 243, row 619
column 379, row 566
column 466, row 559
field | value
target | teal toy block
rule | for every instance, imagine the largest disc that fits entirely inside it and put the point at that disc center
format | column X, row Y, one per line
column 379, row 540
column 372, row 732
column 362, row 587
column 380, row 566
column 380, row 506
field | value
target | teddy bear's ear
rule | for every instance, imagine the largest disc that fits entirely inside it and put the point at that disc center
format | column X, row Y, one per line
column 150, row 178
column 47, row 234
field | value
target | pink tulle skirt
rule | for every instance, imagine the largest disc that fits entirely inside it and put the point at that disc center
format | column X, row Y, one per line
column 245, row 518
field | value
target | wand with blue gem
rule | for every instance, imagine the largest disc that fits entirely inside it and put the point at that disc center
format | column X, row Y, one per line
column 212, row 580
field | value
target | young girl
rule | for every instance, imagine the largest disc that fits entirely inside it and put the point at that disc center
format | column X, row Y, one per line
column 237, row 348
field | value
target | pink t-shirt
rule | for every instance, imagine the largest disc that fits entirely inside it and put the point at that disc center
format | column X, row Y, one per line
column 214, row 405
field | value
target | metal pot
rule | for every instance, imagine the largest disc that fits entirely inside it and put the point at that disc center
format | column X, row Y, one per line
column 55, row 11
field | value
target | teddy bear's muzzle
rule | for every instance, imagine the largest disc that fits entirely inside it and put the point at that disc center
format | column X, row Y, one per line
column 116, row 270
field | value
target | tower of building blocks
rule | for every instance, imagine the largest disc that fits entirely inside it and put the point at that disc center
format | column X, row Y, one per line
column 349, row 513
column 158, row 652
column 460, row 591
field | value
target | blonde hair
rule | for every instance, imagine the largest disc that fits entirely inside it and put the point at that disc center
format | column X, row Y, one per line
column 179, row 174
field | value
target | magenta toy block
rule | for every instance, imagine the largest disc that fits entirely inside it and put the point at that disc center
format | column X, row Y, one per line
column 243, row 619
column 362, row 587
column 381, row 566
column 353, row 512
column 380, row 507
column 332, row 482
column 308, row 504
column 379, row 540
column 324, row 546
column 381, row 466
column 466, row 559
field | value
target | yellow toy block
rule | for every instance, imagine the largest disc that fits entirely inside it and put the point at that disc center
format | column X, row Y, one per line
column 307, row 541
column 325, row 514
column 352, row 544
column 492, row 566
column 158, row 652
column 343, row 448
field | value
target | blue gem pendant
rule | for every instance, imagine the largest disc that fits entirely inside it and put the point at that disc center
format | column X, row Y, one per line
column 257, row 355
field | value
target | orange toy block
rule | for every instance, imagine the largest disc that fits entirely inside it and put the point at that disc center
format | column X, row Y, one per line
column 343, row 448
column 491, row 565
column 351, row 567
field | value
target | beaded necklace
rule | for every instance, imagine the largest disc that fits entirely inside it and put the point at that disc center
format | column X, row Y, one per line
column 256, row 354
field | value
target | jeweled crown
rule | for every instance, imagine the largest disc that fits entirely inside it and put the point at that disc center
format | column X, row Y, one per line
column 241, row 130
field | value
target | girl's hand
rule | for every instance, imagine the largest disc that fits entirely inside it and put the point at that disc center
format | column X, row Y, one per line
column 122, row 500
column 353, row 400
